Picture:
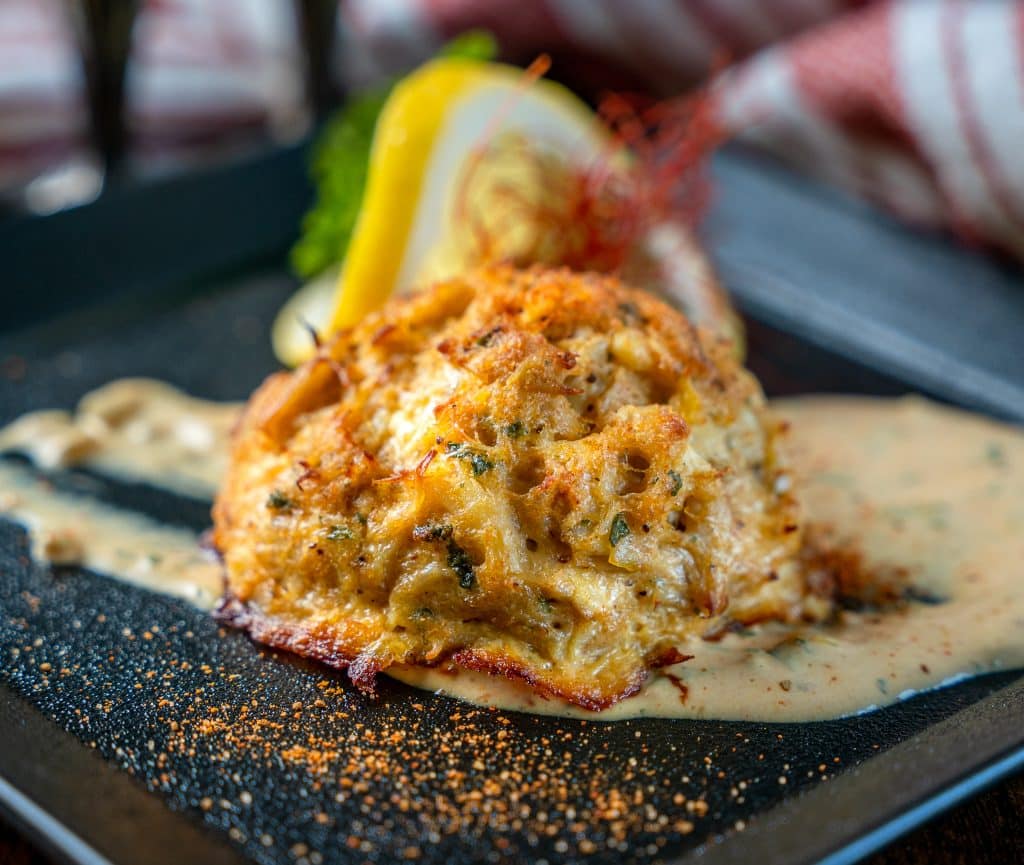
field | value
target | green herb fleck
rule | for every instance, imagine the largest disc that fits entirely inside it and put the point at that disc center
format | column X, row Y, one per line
column 995, row 454
column 361, row 518
column 515, row 430
column 460, row 562
column 883, row 685
column 339, row 533
column 619, row 529
column 835, row 479
column 485, row 340
column 480, row 463
column 677, row 482
column 477, row 460
column 278, row 501
column 935, row 514
column 422, row 613
column 432, row 532
column 471, row 45
column 923, row 596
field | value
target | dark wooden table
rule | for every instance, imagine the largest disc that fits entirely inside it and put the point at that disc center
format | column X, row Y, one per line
column 989, row 829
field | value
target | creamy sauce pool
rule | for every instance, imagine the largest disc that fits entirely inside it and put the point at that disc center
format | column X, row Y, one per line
column 136, row 429
column 68, row 529
column 909, row 484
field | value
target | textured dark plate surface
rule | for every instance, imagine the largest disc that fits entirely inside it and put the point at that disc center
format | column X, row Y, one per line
column 132, row 729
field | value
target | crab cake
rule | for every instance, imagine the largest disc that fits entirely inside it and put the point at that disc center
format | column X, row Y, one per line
column 543, row 474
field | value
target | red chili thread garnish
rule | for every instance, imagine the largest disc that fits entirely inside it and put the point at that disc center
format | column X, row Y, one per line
column 308, row 474
column 591, row 216
column 422, row 465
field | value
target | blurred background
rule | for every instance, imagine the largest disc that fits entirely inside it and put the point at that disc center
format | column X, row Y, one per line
column 870, row 193
column 917, row 105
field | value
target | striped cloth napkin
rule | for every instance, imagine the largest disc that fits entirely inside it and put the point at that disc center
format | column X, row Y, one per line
column 915, row 104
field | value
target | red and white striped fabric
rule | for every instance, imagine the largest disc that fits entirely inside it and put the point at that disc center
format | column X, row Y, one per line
column 918, row 104
column 205, row 74
column 660, row 44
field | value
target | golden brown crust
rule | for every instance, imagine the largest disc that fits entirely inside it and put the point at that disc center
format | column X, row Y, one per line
column 546, row 475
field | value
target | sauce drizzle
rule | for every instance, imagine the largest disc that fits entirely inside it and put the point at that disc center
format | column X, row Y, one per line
column 908, row 484
column 67, row 529
column 136, row 429
column 934, row 492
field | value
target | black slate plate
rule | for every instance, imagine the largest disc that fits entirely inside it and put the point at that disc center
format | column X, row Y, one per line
column 132, row 729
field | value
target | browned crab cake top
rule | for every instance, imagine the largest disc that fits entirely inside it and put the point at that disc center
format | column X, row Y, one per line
column 540, row 473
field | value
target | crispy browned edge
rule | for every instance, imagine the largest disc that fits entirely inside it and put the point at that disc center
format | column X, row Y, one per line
column 322, row 647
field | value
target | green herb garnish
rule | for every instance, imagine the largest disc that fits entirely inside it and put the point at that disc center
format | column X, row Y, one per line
column 460, row 562
column 485, row 340
column 619, row 528
column 677, row 482
column 339, row 166
column 278, row 501
column 515, row 430
column 477, row 461
column 339, row 533
column 471, row 45
column 432, row 532
column 480, row 463
column 995, row 454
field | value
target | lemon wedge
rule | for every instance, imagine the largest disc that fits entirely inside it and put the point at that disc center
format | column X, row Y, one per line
column 428, row 135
